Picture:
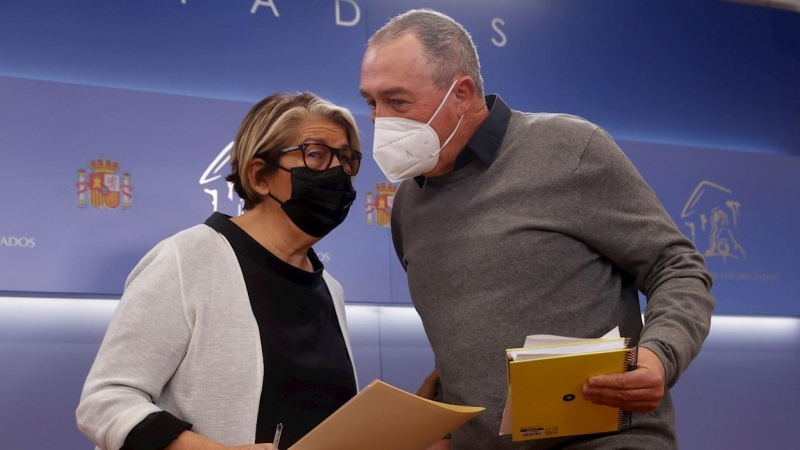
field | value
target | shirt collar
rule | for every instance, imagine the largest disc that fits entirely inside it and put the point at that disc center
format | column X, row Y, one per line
column 486, row 141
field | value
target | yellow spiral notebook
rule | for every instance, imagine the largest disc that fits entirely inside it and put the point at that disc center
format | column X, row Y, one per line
column 545, row 389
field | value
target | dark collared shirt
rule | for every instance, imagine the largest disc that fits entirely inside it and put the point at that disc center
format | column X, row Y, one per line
column 487, row 139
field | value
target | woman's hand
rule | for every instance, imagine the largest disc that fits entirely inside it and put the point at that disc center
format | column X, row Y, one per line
column 254, row 447
column 189, row 440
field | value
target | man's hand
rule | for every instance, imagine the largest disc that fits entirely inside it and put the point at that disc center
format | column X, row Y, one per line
column 429, row 386
column 444, row 444
column 428, row 390
column 640, row 390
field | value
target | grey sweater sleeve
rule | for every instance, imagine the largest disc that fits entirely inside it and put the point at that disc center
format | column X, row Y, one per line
column 620, row 216
column 144, row 344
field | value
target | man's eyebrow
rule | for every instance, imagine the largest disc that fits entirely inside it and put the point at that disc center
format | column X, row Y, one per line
column 387, row 92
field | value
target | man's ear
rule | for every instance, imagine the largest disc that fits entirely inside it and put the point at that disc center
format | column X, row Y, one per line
column 464, row 92
column 256, row 176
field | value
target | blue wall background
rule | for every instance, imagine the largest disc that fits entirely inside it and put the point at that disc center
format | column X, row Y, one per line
column 699, row 72
column 697, row 93
column 702, row 95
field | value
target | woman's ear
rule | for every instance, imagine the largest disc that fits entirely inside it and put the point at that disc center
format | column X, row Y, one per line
column 257, row 178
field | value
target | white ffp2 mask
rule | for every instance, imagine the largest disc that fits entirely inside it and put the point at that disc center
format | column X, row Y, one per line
column 405, row 148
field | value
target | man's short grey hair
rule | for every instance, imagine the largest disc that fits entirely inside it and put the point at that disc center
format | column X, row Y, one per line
column 449, row 47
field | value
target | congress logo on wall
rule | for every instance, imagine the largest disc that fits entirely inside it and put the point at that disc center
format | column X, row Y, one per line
column 712, row 216
column 213, row 183
column 103, row 186
column 379, row 205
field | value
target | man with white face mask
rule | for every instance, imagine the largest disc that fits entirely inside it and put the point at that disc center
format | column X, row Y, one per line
column 511, row 223
column 405, row 148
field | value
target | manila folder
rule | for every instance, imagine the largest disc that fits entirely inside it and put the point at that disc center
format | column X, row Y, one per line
column 384, row 417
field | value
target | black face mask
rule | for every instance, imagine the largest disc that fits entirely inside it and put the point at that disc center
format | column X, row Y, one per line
column 320, row 200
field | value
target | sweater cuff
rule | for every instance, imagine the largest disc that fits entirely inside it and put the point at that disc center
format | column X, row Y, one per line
column 670, row 375
column 155, row 432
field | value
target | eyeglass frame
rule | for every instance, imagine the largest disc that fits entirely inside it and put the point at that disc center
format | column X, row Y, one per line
column 334, row 152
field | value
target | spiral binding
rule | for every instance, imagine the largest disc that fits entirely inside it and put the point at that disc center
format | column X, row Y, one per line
column 630, row 362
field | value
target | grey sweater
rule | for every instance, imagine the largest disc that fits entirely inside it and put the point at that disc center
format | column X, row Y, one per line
column 555, row 236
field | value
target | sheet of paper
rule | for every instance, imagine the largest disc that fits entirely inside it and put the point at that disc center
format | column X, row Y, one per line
column 384, row 417
column 570, row 348
column 536, row 340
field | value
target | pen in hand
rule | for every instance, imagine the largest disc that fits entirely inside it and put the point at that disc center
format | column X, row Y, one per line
column 278, row 431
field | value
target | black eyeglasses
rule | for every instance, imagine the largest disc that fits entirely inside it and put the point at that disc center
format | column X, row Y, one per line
column 320, row 156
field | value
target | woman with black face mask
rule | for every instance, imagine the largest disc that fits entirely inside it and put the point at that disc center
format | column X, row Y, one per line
column 230, row 328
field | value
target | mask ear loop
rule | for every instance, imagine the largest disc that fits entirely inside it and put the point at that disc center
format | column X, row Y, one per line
column 449, row 91
column 451, row 135
column 444, row 100
column 269, row 194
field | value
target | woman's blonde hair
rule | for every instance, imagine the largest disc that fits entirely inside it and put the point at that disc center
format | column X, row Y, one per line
column 270, row 126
